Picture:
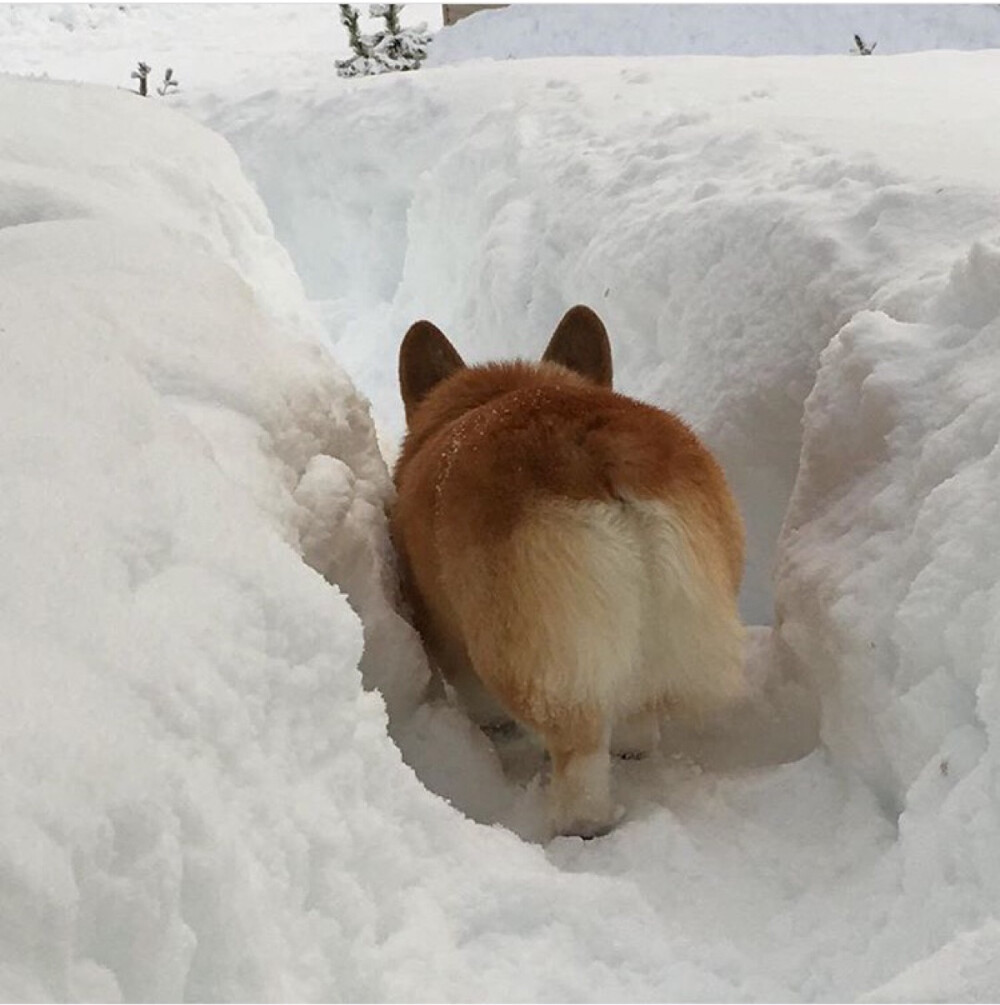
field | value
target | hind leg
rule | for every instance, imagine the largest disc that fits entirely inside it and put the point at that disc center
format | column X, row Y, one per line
column 579, row 794
column 480, row 705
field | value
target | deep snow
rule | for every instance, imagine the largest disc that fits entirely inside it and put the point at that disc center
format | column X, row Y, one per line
column 726, row 217
column 201, row 800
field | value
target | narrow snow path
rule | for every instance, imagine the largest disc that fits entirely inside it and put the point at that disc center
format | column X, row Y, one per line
column 203, row 801
column 727, row 222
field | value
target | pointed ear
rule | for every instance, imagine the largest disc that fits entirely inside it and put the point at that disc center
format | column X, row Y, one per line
column 426, row 357
column 580, row 343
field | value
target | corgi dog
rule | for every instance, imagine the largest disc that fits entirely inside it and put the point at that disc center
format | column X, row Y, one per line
column 571, row 556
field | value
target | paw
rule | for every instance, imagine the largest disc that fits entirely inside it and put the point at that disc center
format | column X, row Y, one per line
column 591, row 828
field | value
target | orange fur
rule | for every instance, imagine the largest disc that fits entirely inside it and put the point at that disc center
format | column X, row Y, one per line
column 572, row 556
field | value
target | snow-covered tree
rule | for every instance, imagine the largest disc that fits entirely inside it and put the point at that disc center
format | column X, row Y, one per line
column 389, row 49
column 141, row 73
column 170, row 84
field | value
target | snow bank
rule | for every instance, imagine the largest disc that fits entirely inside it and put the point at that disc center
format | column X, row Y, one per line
column 183, row 718
column 169, row 662
column 889, row 588
column 523, row 31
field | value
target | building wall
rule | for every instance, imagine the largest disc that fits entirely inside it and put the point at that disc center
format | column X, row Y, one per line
column 453, row 12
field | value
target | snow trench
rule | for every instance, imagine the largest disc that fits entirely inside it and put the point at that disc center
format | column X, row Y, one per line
column 722, row 256
column 201, row 800
column 751, row 268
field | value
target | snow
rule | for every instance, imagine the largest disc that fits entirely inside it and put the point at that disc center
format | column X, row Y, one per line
column 524, row 30
column 174, row 673
column 219, row 780
column 966, row 967
column 910, row 684
column 723, row 242
column 209, row 46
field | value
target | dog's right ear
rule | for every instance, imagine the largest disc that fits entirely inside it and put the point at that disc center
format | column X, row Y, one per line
column 580, row 343
column 426, row 357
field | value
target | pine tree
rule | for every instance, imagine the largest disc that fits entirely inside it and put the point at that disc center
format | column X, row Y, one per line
column 391, row 48
column 141, row 73
column 349, row 19
column 169, row 81
column 862, row 47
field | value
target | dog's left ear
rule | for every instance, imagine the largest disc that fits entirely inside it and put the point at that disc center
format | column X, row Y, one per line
column 580, row 343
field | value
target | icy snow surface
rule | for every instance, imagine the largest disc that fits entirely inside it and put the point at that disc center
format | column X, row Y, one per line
column 200, row 798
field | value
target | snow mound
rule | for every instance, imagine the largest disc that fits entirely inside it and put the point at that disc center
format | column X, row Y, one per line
column 181, row 692
column 889, row 585
column 525, row 31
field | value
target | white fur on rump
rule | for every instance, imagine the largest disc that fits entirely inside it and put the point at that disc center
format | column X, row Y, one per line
column 606, row 610
column 609, row 604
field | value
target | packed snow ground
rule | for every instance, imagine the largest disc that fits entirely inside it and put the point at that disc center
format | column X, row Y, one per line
column 201, row 800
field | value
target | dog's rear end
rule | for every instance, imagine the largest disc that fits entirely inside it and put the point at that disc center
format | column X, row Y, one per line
column 572, row 555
